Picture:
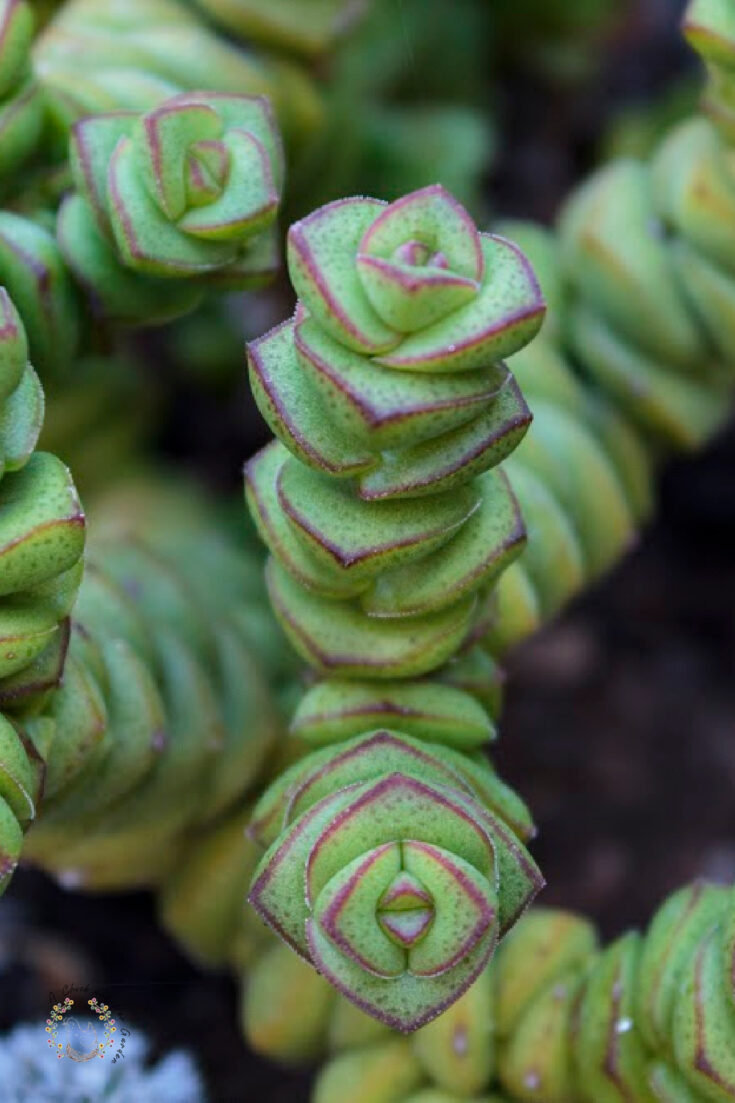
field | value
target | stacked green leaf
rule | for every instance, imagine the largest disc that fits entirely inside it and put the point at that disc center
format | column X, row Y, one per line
column 381, row 502
column 583, row 474
column 648, row 1019
column 41, row 545
column 33, row 270
column 648, row 249
column 388, row 523
column 637, row 357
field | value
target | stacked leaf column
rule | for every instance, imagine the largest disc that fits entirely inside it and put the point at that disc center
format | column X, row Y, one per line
column 41, row 545
column 637, row 357
column 387, row 522
column 167, row 714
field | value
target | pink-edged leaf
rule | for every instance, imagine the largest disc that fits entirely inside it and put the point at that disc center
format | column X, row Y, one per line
column 322, row 251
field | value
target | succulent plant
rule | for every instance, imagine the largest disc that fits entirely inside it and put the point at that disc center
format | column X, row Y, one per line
column 413, row 870
column 396, row 505
column 184, row 193
column 555, row 1018
column 163, row 696
column 33, row 271
column 583, row 475
column 42, row 544
column 348, row 125
column 645, row 250
column 392, row 408
column 387, row 525
column 30, row 1070
column 614, row 383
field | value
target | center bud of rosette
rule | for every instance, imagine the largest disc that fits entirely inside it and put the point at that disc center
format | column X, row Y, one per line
column 207, row 168
column 420, row 255
column 406, row 910
column 420, row 260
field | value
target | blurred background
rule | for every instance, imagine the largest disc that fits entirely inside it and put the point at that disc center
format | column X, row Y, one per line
column 620, row 719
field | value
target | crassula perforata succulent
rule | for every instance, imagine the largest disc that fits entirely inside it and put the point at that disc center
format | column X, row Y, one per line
column 41, row 545
column 185, row 193
column 387, row 526
column 614, row 382
column 582, row 476
column 380, row 505
column 165, row 715
column 396, row 858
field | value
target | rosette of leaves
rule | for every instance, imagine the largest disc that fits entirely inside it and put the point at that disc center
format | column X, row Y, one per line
column 648, row 1019
column 200, row 901
column 171, row 202
column 386, row 520
column 41, row 544
column 21, row 103
column 411, row 864
column 165, row 716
